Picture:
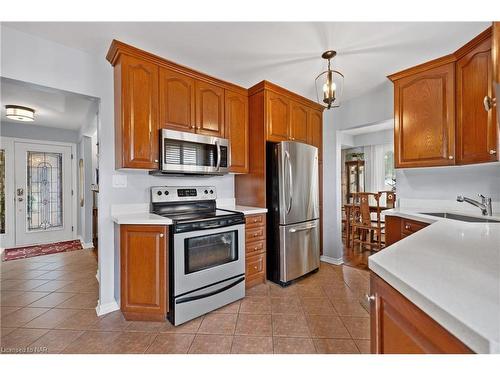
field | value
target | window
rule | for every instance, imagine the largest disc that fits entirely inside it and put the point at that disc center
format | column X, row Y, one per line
column 389, row 173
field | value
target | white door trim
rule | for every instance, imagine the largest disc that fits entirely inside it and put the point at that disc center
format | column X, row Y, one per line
column 8, row 238
column 9, row 191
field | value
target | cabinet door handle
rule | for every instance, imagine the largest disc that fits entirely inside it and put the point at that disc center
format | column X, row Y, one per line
column 450, row 157
column 369, row 298
column 407, row 226
column 493, row 152
column 162, row 235
column 489, row 103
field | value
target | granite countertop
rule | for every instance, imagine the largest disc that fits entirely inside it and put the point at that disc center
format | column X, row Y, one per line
column 451, row 270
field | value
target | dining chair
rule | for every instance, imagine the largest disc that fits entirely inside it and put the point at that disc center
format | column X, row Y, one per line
column 362, row 223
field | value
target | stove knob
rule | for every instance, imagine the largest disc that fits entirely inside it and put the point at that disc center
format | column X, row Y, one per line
column 159, row 193
column 166, row 192
column 206, row 191
column 211, row 191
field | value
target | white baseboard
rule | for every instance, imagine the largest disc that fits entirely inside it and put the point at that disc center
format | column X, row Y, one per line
column 336, row 261
column 85, row 245
column 106, row 308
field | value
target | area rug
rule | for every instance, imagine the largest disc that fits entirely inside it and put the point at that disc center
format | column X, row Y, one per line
column 37, row 250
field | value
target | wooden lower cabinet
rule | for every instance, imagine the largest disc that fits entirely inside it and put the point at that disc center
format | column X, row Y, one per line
column 255, row 249
column 397, row 228
column 143, row 272
column 400, row 327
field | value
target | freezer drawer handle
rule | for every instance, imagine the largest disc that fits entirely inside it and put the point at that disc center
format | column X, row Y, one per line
column 209, row 294
column 293, row 230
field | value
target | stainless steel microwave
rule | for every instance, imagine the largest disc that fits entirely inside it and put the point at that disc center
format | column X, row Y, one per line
column 188, row 153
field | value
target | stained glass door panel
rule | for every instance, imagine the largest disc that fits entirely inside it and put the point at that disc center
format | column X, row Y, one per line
column 43, row 193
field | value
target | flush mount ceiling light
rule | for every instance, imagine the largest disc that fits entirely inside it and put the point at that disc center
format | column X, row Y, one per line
column 19, row 113
column 329, row 84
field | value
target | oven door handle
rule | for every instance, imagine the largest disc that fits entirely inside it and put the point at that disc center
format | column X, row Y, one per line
column 209, row 294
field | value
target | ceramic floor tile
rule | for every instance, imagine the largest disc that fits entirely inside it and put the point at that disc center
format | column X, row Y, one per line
column 336, row 346
column 92, row 342
column 80, row 301
column 252, row 345
column 4, row 331
column 349, row 308
column 57, row 340
column 293, row 345
column 290, row 325
column 52, row 300
column 7, row 310
column 22, row 316
column 131, row 343
column 255, row 305
column 189, row 327
column 359, row 328
column 258, row 290
column 253, row 325
column 317, row 306
column 114, row 321
column 51, row 286
column 363, row 346
column 327, row 326
column 23, row 299
column 222, row 324
column 51, row 318
column 81, row 320
column 286, row 305
column 211, row 344
column 20, row 340
column 171, row 343
column 232, row 308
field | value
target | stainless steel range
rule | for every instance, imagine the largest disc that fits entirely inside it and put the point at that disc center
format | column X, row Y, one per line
column 207, row 250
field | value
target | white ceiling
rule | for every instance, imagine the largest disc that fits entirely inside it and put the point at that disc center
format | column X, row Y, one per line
column 53, row 108
column 286, row 53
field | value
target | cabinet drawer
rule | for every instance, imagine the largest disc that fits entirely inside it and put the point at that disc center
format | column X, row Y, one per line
column 255, row 234
column 255, row 265
column 411, row 226
column 257, row 247
column 255, row 220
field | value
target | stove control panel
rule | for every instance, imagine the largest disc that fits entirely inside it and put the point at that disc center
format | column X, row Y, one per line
column 182, row 193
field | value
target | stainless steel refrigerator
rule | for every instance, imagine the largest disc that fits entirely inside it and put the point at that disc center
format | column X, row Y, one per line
column 293, row 226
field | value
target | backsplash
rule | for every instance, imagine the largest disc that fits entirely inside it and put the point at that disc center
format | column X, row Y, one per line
column 441, row 185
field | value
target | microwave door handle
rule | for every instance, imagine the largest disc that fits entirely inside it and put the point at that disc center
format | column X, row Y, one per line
column 290, row 181
column 218, row 154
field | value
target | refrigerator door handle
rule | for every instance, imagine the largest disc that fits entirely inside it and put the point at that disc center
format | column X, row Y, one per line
column 290, row 182
column 293, row 230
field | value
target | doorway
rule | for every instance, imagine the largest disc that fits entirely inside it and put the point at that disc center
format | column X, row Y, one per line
column 43, row 193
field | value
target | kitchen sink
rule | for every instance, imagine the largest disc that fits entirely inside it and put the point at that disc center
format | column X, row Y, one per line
column 470, row 219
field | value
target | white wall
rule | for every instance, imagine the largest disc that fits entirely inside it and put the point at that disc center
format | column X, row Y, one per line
column 54, row 65
column 41, row 133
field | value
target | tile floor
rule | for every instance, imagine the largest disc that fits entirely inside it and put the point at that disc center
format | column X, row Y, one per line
column 48, row 305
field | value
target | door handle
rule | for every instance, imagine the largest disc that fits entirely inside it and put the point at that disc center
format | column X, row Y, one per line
column 489, row 103
column 294, row 230
column 218, row 155
column 290, row 182
column 20, row 192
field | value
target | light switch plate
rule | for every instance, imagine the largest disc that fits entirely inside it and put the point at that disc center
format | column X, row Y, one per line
column 119, row 181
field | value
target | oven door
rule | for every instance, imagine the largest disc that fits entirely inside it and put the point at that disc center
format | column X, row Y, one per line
column 193, row 153
column 206, row 257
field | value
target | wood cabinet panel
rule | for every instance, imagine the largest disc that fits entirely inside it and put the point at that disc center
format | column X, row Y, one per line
column 256, row 247
column 255, row 272
column 136, row 114
column 315, row 131
column 400, row 327
column 236, row 122
column 476, row 127
column 411, row 226
column 495, row 51
column 209, row 109
column 424, row 129
column 278, row 117
column 299, row 118
column 392, row 229
column 255, row 234
column 177, row 101
column 257, row 220
column 143, row 271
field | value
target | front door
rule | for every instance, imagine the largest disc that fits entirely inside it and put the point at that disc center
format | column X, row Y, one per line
column 43, row 193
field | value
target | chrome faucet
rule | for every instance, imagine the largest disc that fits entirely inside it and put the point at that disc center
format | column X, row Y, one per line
column 484, row 205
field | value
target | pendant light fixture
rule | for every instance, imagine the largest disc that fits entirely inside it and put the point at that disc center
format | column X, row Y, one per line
column 329, row 84
column 19, row 113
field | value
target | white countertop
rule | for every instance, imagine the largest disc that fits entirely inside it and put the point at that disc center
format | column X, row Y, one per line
column 138, row 213
column 450, row 270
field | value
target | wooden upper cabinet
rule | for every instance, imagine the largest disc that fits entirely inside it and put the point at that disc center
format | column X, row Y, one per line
column 209, row 109
column 177, row 101
column 495, row 53
column 236, row 122
column 424, row 117
column 278, row 117
column 476, row 127
column 315, row 131
column 143, row 271
column 299, row 118
column 136, row 114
